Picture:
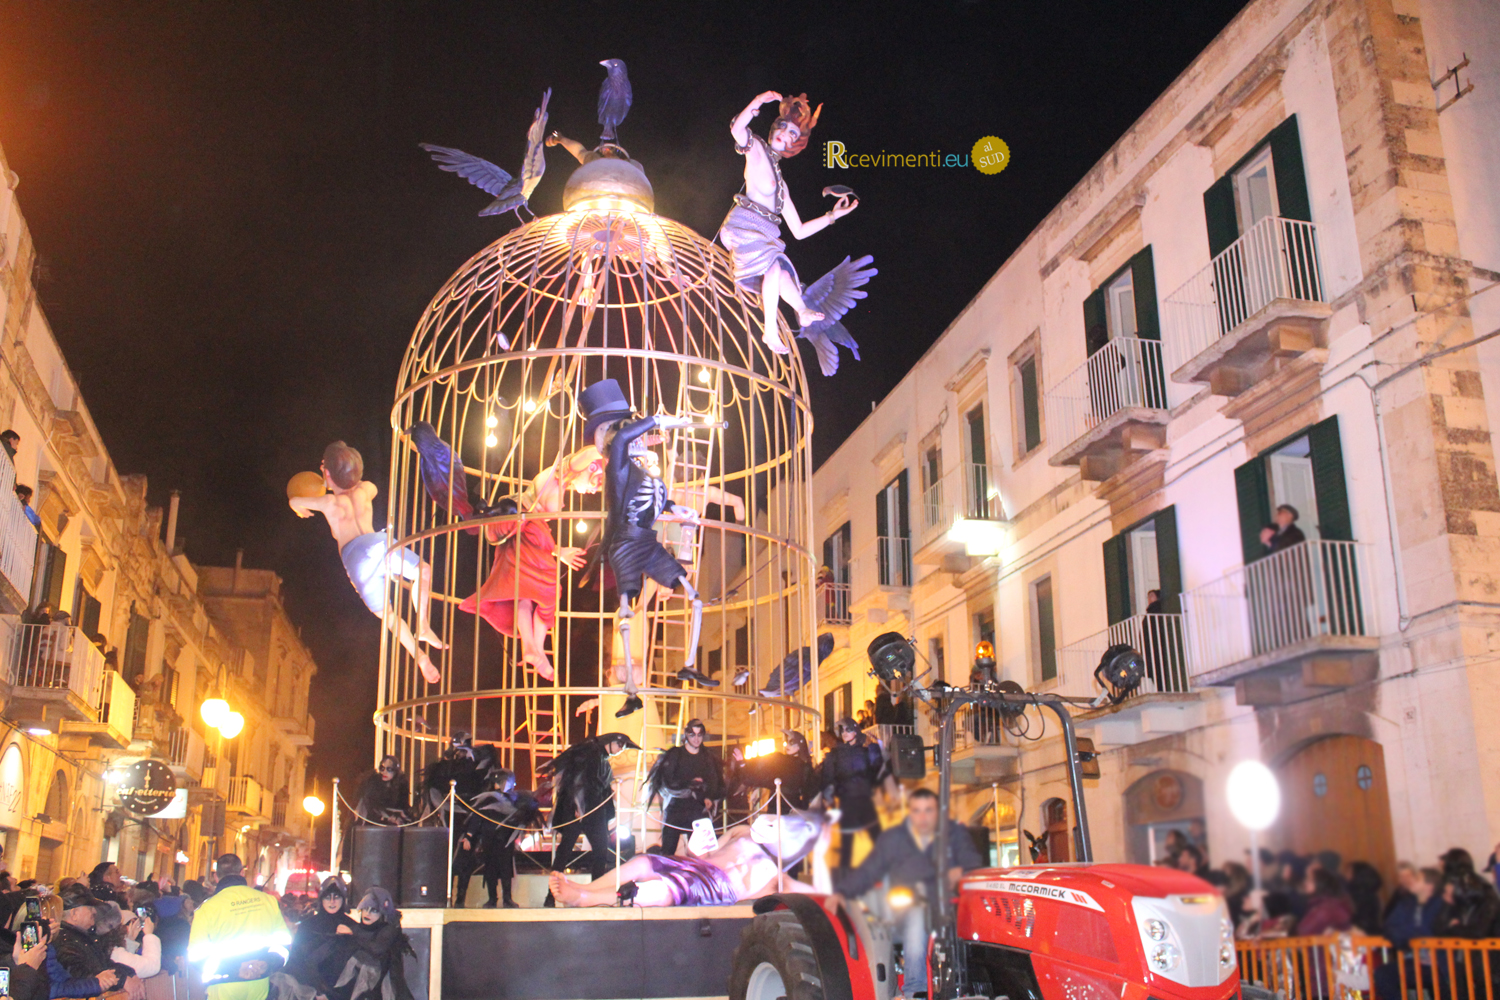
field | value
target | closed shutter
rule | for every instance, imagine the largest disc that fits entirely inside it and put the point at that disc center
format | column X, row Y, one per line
column 903, row 523
column 1116, row 579
column 57, row 562
column 1143, row 275
column 1168, row 566
column 1046, row 633
column 1031, row 411
column 1291, row 178
column 1218, row 212
column 136, row 639
column 1253, row 492
column 1334, row 520
column 882, row 532
column 828, row 555
column 846, row 545
column 1095, row 322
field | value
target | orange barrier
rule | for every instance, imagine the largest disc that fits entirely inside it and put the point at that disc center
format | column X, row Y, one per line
column 1337, row 966
column 1357, row 967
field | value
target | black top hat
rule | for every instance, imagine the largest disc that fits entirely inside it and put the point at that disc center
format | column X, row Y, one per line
column 629, row 743
column 602, row 403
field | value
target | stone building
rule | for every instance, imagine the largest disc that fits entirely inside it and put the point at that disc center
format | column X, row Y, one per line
column 123, row 678
column 1273, row 290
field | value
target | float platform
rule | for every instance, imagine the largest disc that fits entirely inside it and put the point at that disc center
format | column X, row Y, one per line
column 594, row 953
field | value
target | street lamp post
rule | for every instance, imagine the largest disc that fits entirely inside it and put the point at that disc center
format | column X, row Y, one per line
column 1255, row 800
column 314, row 807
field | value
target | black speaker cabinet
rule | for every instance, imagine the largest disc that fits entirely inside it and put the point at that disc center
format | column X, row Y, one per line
column 907, row 760
column 424, row 866
column 377, row 860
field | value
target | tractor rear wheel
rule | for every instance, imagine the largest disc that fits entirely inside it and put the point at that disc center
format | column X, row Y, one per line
column 775, row 960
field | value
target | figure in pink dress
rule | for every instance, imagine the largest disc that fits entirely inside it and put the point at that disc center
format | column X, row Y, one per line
column 519, row 597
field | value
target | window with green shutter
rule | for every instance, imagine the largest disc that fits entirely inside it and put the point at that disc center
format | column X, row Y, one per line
column 1044, row 635
column 1138, row 560
column 1222, row 201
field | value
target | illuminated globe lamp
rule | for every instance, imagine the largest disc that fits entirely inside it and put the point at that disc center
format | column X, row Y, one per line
column 314, row 806
column 1255, row 800
column 605, row 288
column 232, row 726
column 214, row 711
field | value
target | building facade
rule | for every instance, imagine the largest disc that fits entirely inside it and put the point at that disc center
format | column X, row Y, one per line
column 144, row 644
column 1273, row 291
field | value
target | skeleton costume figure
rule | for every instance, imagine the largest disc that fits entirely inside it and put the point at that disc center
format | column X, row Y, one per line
column 634, row 500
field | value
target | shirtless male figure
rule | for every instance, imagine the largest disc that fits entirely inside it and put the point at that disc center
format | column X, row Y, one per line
column 742, row 867
column 366, row 552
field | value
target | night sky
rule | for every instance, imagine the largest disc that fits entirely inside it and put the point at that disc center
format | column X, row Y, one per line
column 238, row 230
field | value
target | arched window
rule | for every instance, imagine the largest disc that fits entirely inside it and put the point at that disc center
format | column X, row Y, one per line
column 57, row 798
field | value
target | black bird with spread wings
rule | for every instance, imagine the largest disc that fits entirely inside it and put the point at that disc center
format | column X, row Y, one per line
column 511, row 193
column 614, row 98
column 834, row 295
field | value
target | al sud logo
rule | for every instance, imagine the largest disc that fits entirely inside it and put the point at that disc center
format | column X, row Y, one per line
column 990, row 155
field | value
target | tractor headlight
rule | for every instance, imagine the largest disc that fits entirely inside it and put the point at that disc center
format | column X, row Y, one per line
column 1157, row 930
column 1226, row 945
column 900, row 898
column 1165, row 957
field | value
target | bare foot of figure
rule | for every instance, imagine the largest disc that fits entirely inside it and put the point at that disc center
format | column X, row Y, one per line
column 431, row 638
column 564, row 891
column 430, row 673
column 807, row 317
column 540, row 663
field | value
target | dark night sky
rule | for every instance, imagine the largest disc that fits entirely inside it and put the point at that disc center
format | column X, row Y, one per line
column 240, row 231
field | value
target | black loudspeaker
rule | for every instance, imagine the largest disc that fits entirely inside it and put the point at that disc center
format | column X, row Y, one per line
column 377, row 860
column 907, row 759
column 424, row 866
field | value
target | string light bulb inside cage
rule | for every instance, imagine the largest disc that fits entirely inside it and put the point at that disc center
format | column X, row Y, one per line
column 604, row 289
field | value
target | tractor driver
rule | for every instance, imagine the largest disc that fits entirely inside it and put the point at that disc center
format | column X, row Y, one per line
column 904, row 857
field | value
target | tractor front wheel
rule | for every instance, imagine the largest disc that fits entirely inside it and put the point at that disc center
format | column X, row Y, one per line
column 775, row 960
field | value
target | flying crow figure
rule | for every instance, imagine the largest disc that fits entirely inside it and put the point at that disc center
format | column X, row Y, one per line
column 443, row 475
column 834, row 295
column 614, row 98
column 511, row 193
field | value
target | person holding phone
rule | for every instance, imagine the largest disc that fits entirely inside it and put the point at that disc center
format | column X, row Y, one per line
column 75, row 966
column 117, row 931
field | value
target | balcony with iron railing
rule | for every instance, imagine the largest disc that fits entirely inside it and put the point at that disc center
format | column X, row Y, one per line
column 247, row 800
column 185, row 753
column 934, row 515
column 1258, row 303
column 1110, row 409
column 113, row 722
column 957, row 533
column 1166, row 700
column 1290, row 626
column 55, row 672
column 18, row 536
column 833, row 604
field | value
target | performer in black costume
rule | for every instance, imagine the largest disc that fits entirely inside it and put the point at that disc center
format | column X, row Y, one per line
column 385, row 797
column 583, row 799
column 634, row 500
column 489, row 837
column 467, row 765
column 851, row 771
column 690, row 780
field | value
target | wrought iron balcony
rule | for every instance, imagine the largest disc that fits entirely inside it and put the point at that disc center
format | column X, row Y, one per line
column 893, row 561
column 1164, row 703
column 17, row 535
column 113, row 722
column 1258, row 302
column 56, row 673
column 1109, row 409
column 833, row 604
column 934, row 514
column 1286, row 627
column 247, row 799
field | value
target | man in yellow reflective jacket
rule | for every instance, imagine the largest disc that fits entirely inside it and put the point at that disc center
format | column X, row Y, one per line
column 239, row 937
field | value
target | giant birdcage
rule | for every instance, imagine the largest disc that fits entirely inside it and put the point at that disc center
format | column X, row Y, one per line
column 606, row 289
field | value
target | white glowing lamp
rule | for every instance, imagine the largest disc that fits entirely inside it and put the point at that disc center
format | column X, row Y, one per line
column 313, row 805
column 1254, row 795
column 979, row 537
column 232, row 726
column 214, row 711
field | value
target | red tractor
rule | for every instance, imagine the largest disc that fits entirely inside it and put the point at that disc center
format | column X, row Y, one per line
column 1078, row 931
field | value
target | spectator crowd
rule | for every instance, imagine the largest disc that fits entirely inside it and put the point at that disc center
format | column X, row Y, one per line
column 102, row 936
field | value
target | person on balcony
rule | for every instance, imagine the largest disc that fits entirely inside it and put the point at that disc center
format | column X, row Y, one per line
column 10, row 441
column 24, row 494
column 1282, row 532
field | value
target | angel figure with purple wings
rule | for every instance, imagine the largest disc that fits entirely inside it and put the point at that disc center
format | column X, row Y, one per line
column 751, row 232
